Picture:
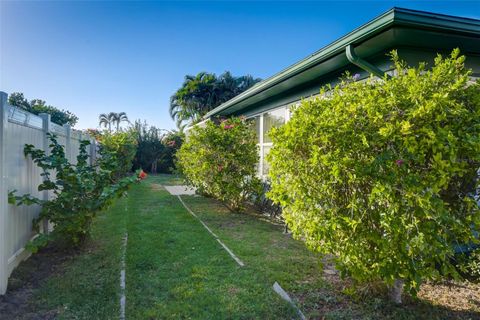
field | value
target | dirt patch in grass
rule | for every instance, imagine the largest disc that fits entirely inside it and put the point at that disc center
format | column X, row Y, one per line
column 18, row 302
column 460, row 296
column 156, row 187
column 338, row 299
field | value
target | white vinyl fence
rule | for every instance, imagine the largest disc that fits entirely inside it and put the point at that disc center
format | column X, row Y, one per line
column 17, row 128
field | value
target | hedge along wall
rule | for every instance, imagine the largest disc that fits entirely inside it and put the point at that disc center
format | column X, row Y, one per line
column 382, row 173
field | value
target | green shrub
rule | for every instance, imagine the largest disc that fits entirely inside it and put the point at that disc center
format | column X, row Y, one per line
column 469, row 265
column 156, row 148
column 219, row 160
column 381, row 173
column 79, row 192
column 117, row 152
column 173, row 141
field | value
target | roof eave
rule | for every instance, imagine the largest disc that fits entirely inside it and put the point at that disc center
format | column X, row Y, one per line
column 397, row 16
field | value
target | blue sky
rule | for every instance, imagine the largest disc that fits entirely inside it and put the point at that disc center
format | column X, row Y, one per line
column 95, row 57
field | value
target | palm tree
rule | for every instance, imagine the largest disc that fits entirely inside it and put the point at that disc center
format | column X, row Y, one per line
column 112, row 118
column 195, row 97
column 203, row 92
column 106, row 120
column 119, row 118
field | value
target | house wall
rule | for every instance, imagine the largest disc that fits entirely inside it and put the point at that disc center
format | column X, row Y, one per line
column 260, row 112
column 411, row 55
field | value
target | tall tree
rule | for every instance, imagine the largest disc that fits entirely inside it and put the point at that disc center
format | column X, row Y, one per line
column 106, row 120
column 119, row 118
column 112, row 118
column 155, row 148
column 203, row 92
column 37, row 106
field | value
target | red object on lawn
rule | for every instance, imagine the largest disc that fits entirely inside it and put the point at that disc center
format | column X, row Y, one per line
column 142, row 175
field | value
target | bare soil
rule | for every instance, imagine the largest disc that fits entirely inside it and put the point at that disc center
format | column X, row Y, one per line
column 18, row 302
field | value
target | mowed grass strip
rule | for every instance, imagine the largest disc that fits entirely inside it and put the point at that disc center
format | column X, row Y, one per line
column 322, row 295
column 177, row 270
column 266, row 249
column 87, row 285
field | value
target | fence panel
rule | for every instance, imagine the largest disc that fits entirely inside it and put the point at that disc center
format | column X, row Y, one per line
column 17, row 128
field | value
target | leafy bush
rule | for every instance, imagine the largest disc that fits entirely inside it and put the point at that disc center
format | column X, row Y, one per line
column 173, row 141
column 469, row 264
column 155, row 148
column 381, row 173
column 117, row 152
column 37, row 106
column 79, row 192
column 219, row 160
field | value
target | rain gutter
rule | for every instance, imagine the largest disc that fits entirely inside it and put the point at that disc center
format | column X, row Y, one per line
column 361, row 63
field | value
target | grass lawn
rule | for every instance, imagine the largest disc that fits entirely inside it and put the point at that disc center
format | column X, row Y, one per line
column 175, row 269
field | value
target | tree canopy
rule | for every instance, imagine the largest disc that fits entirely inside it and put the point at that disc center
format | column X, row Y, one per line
column 204, row 92
column 112, row 118
column 155, row 148
column 37, row 106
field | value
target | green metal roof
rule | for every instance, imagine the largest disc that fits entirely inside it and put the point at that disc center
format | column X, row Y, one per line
column 396, row 27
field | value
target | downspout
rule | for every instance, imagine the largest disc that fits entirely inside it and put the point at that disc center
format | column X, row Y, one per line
column 359, row 62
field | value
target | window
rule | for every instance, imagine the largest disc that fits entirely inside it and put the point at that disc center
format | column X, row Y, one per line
column 265, row 165
column 263, row 124
column 272, row 119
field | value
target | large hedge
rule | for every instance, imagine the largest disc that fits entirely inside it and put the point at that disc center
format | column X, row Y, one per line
column 381, row 173
column 117, row 151
column 219, row 160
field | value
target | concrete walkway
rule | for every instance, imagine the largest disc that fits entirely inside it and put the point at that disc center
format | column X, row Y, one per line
column 180, row 190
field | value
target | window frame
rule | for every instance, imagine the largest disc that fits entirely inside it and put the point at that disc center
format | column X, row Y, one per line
column 260, row 140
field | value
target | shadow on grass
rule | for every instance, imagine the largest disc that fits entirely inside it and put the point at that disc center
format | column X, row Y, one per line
column 29, row 276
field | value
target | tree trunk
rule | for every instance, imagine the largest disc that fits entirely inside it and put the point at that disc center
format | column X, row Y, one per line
column 396, row 291
column 154, row 167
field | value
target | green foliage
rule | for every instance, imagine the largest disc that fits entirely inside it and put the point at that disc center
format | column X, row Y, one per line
column 203, row 92
column 37, row 106
column 78, row 193
column 117, row 152
column 155, row 148
column 381, row 173
column 469, row 264
column 173, row 140
column 219, row 160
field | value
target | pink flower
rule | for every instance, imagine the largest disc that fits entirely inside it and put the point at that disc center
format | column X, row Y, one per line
column 228, row 126
column 399, row 162
column 171, row 143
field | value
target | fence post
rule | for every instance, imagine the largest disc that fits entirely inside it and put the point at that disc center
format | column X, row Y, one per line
column 68, row 142
column 3, row 194
column 46, row 129
column 93, row 150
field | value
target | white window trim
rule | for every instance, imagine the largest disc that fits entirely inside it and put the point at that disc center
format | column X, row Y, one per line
column 262, row 144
